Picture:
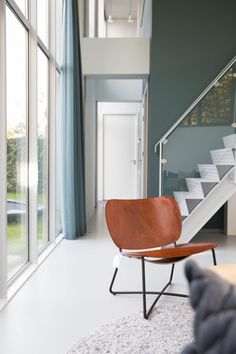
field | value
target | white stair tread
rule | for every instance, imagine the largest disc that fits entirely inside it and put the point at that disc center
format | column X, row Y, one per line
column 195, row 186
column 223, row 150
column 230, row 141
column 182, row 197
column 207, row 166
column 209, row 172
column 200, row 186
column 179, row 196
column 222, row 156
column 199, row 180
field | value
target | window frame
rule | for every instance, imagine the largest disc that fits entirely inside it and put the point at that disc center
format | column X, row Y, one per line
column 34, row 41
column 42, row 247
column 19, row 268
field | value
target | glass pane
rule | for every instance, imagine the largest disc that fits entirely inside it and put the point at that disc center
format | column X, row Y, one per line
column 191, row 143
column 58, row 181
column 17, row 87
column 42, row 20
column 42, row 215
column 23, row 5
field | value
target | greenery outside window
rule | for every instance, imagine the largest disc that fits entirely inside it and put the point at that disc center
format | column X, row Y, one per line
column 17, row 142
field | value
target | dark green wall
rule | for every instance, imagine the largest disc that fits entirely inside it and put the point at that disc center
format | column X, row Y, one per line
column 192, row 41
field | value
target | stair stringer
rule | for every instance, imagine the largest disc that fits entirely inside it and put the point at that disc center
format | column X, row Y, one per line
column 208, row 207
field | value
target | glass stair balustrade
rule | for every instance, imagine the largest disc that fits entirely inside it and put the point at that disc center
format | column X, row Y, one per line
column 199, row 151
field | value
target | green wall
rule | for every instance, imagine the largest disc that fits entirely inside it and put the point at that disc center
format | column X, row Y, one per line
column 192, row 41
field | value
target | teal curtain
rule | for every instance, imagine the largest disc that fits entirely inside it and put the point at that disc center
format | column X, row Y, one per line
column 72, row 128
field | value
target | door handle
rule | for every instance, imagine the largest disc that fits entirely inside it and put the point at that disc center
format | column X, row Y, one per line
column 133, row 161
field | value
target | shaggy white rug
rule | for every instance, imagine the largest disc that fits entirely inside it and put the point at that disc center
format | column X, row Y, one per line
column 168, row 330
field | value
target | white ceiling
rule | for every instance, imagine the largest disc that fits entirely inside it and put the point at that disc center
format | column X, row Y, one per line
column 120, row 8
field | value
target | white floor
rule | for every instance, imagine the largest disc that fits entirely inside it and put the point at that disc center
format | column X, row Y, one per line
column 68, row 296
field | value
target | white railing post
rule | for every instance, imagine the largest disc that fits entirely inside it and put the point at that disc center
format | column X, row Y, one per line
column 234, row 152
column 160, row 169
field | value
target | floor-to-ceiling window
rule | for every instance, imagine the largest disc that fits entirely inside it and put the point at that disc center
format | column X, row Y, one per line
column 30, row 36
column 42, row 137
column 17, row 142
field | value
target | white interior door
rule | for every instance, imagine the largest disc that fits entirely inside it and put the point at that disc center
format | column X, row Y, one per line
column 120, row 156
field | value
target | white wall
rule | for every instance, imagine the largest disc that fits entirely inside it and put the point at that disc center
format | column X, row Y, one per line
column 118, row 90
column 115, row 57
column 121, row 28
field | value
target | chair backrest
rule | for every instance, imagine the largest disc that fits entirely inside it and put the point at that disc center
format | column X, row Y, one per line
column 143, row 223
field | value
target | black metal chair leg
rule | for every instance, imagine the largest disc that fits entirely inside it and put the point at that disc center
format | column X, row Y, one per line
column 214, row 256
column 144, row 290
column 112, row 282
column 172, row 273
column 162, row 292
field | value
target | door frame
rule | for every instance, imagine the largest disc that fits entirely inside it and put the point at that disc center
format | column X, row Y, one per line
column 101, row 111
column 144, row 172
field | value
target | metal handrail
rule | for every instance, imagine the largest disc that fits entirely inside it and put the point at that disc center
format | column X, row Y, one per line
column 203, row 94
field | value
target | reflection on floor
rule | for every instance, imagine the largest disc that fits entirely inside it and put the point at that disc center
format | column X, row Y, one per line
column 68, row 296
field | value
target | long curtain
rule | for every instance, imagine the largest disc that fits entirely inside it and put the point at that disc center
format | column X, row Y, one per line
column 72, row 128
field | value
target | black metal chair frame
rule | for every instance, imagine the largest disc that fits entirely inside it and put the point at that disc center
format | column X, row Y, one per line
column 144, row 292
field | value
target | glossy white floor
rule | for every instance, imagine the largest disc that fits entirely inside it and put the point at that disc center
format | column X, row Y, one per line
column 68, row 296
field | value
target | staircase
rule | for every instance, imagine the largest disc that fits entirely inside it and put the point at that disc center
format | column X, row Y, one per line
column 197, row 154
column 210, row 191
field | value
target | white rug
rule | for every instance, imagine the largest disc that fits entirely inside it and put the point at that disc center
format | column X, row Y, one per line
column 168, row 330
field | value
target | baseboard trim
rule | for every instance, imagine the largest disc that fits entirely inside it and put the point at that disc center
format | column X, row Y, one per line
column 221, row 231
